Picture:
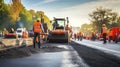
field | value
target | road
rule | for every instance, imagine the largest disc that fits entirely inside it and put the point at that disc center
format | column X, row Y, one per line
column 65, row 55
column 62, row 55
column 96, row 58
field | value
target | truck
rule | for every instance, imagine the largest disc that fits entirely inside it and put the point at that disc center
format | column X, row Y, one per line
column 21, row 32
column 116, row 34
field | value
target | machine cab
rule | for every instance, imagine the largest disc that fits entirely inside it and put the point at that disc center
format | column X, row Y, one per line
column 59, row 23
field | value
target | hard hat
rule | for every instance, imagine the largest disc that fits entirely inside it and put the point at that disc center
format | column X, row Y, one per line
column 103, row 25
column 38, row 19
column 4, row 28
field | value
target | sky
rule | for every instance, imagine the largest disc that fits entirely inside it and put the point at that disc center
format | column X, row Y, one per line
column 76, row 10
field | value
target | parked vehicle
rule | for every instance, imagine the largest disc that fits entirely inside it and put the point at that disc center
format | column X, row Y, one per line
column 21, row 32
column 116, row 34
column 10, row 34
column 30, row 33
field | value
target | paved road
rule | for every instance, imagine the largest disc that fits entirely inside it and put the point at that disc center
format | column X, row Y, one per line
column 111, row 48
column 96, row 58
column 71, row 55
column 67, row 57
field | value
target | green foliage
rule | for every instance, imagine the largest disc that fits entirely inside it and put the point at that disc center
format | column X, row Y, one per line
column 103, row 16
column 14, row 14
column 4, row 14
column 15, row 9
column 86, row 28
column 25, row 18
column 41, row 15
column 46, row 20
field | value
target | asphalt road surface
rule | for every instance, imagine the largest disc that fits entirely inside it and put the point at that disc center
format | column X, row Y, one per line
column 63, row 55
column 96, row 58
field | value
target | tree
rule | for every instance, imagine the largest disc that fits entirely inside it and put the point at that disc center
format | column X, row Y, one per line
column 4, row 15
column 86, row 28
column 25, row 18
column 117, row 23
column 15, row 7
column 16, row 15
column 103, row 16
column 32, row 12
column 41, row 14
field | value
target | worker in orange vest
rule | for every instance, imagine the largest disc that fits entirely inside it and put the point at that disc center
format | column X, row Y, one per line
column 70, row 32
column 25, row 33
column 104, row 33
column 37, row 29
column 110, row 33
column 80, row 36
column 67, row 27
column 5, row 32
column 77, row 36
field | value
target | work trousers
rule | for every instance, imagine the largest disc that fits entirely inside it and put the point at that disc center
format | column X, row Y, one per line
column 104, row 38
column 34, row 41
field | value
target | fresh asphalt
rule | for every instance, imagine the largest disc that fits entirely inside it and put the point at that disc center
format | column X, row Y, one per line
column 96, row 58
column 71, row 55
column 51, row 55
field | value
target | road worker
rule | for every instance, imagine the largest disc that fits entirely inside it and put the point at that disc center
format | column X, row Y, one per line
column 75, row 36
column 5, row 32
column 80, row 36
column 37, row 29
column 70, row 31
column 25, row 33
column 67, row 28
column 104, row 33
column 94, row 35
column 110, row 33
column 12, row 30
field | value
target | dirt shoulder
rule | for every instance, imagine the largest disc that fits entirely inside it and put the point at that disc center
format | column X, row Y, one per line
column 25, row 51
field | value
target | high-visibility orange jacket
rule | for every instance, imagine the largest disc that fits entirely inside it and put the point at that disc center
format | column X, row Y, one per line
column 80, row 33
column 5, row 32
column 77, row 34
column 37, row 27
column 25, row 34
column 66, row 27
column 110, row 33
column 104, row 30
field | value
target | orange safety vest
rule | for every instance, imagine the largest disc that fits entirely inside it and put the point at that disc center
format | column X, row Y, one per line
column 25, row 35
column 104, row 30
column 5, row 32
column 37, row 27
column 66, row 27
column 77, row 34
column 80, row 34
column 110, row 33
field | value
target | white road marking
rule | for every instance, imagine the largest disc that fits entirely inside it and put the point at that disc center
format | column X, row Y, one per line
column 72, row 59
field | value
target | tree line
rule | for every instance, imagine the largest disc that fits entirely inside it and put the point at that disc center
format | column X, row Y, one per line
column 101, row 16
column 16, row 15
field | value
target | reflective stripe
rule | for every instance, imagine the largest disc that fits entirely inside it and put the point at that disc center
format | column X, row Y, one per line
column 37, row 27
